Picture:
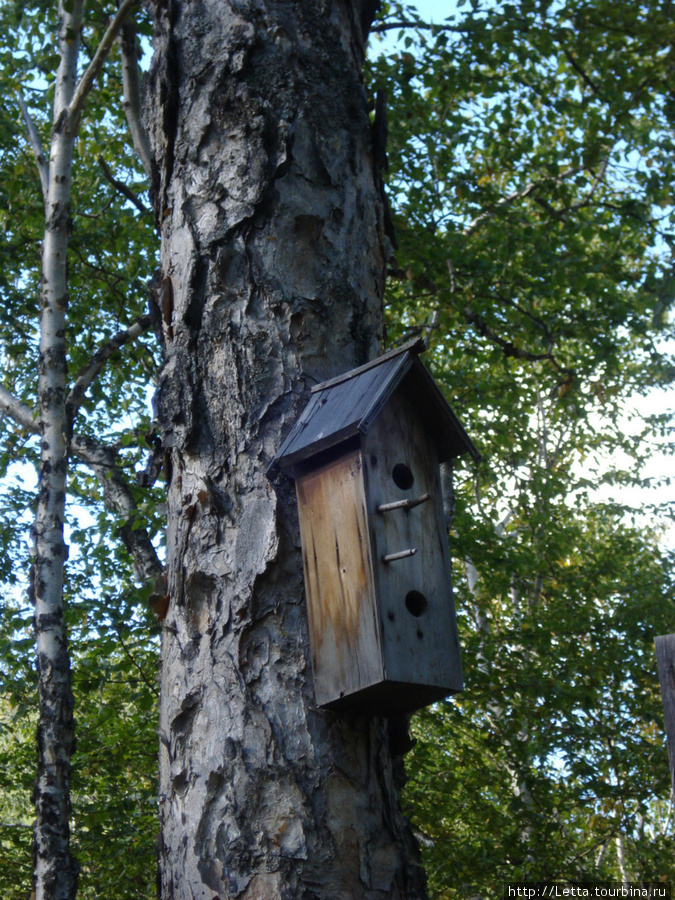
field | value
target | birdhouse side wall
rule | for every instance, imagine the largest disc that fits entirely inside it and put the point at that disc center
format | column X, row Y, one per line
column 417, row 618
column 338, row 569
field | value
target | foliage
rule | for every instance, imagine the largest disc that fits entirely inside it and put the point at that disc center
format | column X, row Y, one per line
column 114, row 784
column 113, row 635
column 530, row 177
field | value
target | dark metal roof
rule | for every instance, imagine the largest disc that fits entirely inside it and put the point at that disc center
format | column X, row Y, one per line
column 346, row 406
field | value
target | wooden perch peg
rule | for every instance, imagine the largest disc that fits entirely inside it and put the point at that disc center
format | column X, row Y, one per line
column 402, row 554
column 403, row 504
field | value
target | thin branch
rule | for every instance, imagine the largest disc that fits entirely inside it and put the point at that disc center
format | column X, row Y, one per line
column 18, row 411
column 542, row 430
column 122, row 188
column 504, row 201
column 597, row 181
column 111, row 279
column 575, row 207
column 451, row 273
column 99, row 359
column 132, row 94
column 518, row 195
column 509, row 348
column 581, row 72
column 528, row 315
column 424, row 26
column 86, row 82
column 144, row 677
column 36, row 144
column 118, row 498
column 551, row 210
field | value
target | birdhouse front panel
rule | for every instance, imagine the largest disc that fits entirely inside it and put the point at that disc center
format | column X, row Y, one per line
column 339, row 583
column 412, row 567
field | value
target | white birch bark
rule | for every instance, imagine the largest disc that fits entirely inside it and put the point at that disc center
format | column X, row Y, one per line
column 56, row 870
column 621, row 858
column 273, row 253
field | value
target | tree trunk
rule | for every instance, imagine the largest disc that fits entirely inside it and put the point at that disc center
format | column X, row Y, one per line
column 273, row 256
column 55, row 868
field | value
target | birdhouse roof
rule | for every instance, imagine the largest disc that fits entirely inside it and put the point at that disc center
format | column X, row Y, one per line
column 346, row 406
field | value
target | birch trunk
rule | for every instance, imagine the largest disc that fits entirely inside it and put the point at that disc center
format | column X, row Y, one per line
column 273, row 254
column 56, row 869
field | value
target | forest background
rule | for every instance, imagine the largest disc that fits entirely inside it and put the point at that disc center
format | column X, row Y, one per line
column 530, row 180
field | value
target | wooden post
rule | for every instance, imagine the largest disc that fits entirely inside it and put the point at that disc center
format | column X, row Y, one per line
column 665, row 663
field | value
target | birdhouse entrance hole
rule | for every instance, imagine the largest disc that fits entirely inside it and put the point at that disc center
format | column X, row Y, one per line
column 416, row 603
column 403, row 477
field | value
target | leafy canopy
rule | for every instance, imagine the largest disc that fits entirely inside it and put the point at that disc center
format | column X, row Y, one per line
column 530, row 178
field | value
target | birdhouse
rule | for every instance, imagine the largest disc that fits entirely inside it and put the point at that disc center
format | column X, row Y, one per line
column 365, row 456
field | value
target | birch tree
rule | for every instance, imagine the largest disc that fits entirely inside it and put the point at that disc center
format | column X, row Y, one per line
column 57, row 406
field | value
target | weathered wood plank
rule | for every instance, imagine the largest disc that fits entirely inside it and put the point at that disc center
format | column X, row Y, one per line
column 345, row 641
column 665, row 662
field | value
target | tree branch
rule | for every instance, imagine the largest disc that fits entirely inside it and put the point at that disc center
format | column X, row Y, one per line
column 117, row 496
column 517, row 195
column 528, row 315
column 121, row 187
column 597, row 181
column 36, row 144
column 504, row 201
column 18, row 411
column 132, row 94
column 144, row 677
column 87, row 375
column 410, row 23
column 509, row 348
column 86, row 82
column 569, row 56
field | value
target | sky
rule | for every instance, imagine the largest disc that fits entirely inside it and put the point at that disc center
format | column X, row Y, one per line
column 435, row 10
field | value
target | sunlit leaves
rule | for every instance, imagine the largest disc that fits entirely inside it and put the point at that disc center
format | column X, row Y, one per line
column 530, row 177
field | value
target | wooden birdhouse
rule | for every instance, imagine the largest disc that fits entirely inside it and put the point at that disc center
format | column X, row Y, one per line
column 365, row 457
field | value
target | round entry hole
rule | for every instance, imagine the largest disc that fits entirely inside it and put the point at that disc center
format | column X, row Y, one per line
column 415, row 603
column 403, row 477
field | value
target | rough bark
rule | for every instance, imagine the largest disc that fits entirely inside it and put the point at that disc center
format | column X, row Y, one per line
column 273, row 255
